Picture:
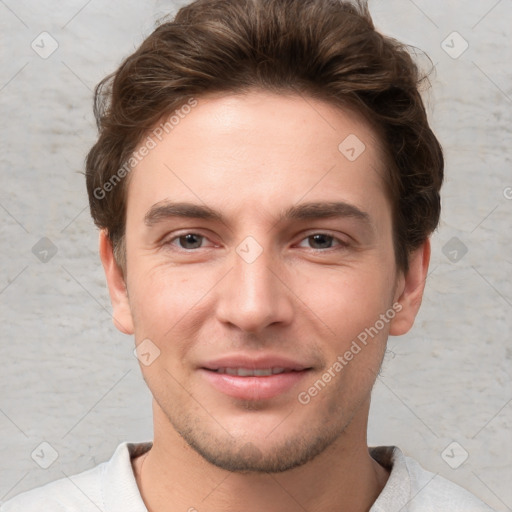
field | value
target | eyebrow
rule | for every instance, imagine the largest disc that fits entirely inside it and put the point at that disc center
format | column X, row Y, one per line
column 164, row 210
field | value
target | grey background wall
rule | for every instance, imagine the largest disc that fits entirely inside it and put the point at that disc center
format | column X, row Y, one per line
column 69, row 379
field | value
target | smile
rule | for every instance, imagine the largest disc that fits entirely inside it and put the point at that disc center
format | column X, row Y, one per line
column 249, row 372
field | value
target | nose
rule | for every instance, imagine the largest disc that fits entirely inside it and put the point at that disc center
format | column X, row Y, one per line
column 255, row 294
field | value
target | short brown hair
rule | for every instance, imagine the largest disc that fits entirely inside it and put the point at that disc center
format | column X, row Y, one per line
column 328, row 49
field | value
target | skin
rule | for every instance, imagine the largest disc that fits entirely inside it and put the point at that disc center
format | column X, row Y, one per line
column 250, row 157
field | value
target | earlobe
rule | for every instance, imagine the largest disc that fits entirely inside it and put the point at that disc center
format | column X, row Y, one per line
column 122, row 316
column 410, row 290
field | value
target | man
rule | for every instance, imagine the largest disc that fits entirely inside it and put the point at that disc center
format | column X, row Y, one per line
column 265, row 182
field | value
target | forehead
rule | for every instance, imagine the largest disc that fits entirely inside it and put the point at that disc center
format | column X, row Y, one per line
column 261, row 150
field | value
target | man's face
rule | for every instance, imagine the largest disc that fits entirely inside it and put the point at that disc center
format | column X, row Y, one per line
column 257, row 291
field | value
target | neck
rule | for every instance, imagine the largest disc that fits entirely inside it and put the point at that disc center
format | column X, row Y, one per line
column 172, row 476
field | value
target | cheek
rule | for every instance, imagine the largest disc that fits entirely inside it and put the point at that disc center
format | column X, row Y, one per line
column 358, row 310
column 346, row 300
column 165, row 302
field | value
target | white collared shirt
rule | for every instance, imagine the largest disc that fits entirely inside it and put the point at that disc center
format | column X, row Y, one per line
column 111, row 487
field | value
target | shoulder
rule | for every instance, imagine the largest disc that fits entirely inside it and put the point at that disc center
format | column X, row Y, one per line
column 79, row 492
column 415, row 489
column 98, row 488
column 432, row 491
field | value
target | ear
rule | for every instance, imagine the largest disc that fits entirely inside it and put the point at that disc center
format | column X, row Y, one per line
column 410, row 290
column 122, row 316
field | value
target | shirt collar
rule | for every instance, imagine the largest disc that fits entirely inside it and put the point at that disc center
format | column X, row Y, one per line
column 120, row 490
column 396, row 492
column 121, row 493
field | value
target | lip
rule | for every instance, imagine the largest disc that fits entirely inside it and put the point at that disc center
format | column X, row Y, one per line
column 252, row 387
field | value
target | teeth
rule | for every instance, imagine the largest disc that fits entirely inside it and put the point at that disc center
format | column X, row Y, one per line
column 247, row 372
column 262, row 373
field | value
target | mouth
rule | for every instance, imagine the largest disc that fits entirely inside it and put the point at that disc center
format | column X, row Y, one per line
column 253, row 372
column 254, row 379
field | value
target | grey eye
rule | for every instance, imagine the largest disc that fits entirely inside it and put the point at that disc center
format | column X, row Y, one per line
column 320, row 241
column 190, row 238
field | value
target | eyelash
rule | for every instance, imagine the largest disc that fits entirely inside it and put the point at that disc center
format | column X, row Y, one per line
column 341, row 243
